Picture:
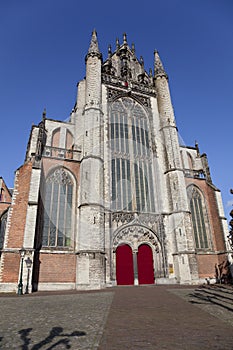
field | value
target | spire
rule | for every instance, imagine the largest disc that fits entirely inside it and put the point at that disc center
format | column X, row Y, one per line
column 94, row 47
column 158, row 66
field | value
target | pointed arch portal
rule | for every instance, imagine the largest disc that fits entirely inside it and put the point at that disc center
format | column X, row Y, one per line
column 125, row 269
column 138, row 256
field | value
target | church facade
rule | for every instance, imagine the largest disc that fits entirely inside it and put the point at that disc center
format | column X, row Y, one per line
column 110, row 197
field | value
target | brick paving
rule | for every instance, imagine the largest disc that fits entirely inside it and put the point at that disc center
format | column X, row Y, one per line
column 144, row 317
column 156, row 318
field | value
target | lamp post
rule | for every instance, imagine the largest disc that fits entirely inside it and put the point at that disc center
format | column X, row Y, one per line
column 230, row 236
column 28, row 262
column 20, row 285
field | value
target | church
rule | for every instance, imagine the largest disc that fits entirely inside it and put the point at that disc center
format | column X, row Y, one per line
column 110, row 196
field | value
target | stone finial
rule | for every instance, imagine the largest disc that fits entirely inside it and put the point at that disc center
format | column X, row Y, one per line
column 124, row 39
column 197, row 148
column 142, row 64
column 109, row 51
column 158, row 66
column 117, row 44
column 133, row 48
column 142, row 61
column 150, row 73
column 44, row 114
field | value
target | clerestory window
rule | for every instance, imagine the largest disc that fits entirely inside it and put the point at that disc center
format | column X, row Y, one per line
column 58, row 204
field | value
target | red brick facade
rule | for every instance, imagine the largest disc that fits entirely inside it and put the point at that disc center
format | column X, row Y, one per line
column 5, row 196
column 16, row 221
column 57, row 267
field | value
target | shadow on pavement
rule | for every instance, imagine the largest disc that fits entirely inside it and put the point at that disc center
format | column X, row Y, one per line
column 54, row 333
column 213, row 295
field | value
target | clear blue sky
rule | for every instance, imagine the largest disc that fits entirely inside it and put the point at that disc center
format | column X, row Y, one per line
column 42, row 49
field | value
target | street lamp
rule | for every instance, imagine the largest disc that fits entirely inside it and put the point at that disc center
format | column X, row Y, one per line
column 22, row 252
column 230, row 236
column 28, row 262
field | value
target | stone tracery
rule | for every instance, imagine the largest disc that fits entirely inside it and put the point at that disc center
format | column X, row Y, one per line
column 136, row 235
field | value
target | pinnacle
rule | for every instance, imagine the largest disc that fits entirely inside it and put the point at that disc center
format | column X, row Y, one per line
column 94, row 47
column 158, row 66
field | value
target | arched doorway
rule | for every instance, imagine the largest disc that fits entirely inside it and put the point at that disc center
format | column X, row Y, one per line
column 124, row 265
column 145, row 265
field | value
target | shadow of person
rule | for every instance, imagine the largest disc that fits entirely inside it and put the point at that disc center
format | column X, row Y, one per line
column 55, row 332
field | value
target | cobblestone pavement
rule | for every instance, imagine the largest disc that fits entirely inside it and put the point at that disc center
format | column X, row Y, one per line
column 144, row 317
column 71, row 321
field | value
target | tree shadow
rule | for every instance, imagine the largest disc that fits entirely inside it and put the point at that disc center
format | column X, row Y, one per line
column 55, row 332
column 204, row 297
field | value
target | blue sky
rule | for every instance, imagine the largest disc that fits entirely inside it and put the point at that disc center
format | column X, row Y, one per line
column 42, row 49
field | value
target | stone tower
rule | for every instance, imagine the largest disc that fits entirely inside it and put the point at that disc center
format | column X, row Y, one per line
column 110, row 197
column 90, row 238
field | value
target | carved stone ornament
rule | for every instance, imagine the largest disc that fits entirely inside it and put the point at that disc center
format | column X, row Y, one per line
column 60, row 176
column 152, row 221
column 136, row 235
column 114, row 94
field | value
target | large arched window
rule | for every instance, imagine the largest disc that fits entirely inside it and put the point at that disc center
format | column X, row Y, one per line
column 58, row 203
column 132, row 179
column 199, row 218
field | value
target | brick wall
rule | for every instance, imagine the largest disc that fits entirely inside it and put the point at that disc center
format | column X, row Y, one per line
column 19, row 206
column 49, row 164
column 11, row 271
column 57, row 267
column 206, row 265
column 5, row 198
column 3, row 207
column 14, row 236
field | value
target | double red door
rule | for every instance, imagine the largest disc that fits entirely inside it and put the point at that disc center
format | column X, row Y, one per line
column 125, row 268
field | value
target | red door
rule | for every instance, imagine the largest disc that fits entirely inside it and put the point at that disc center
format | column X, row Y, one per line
column 145, row 265
column 124, row 265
